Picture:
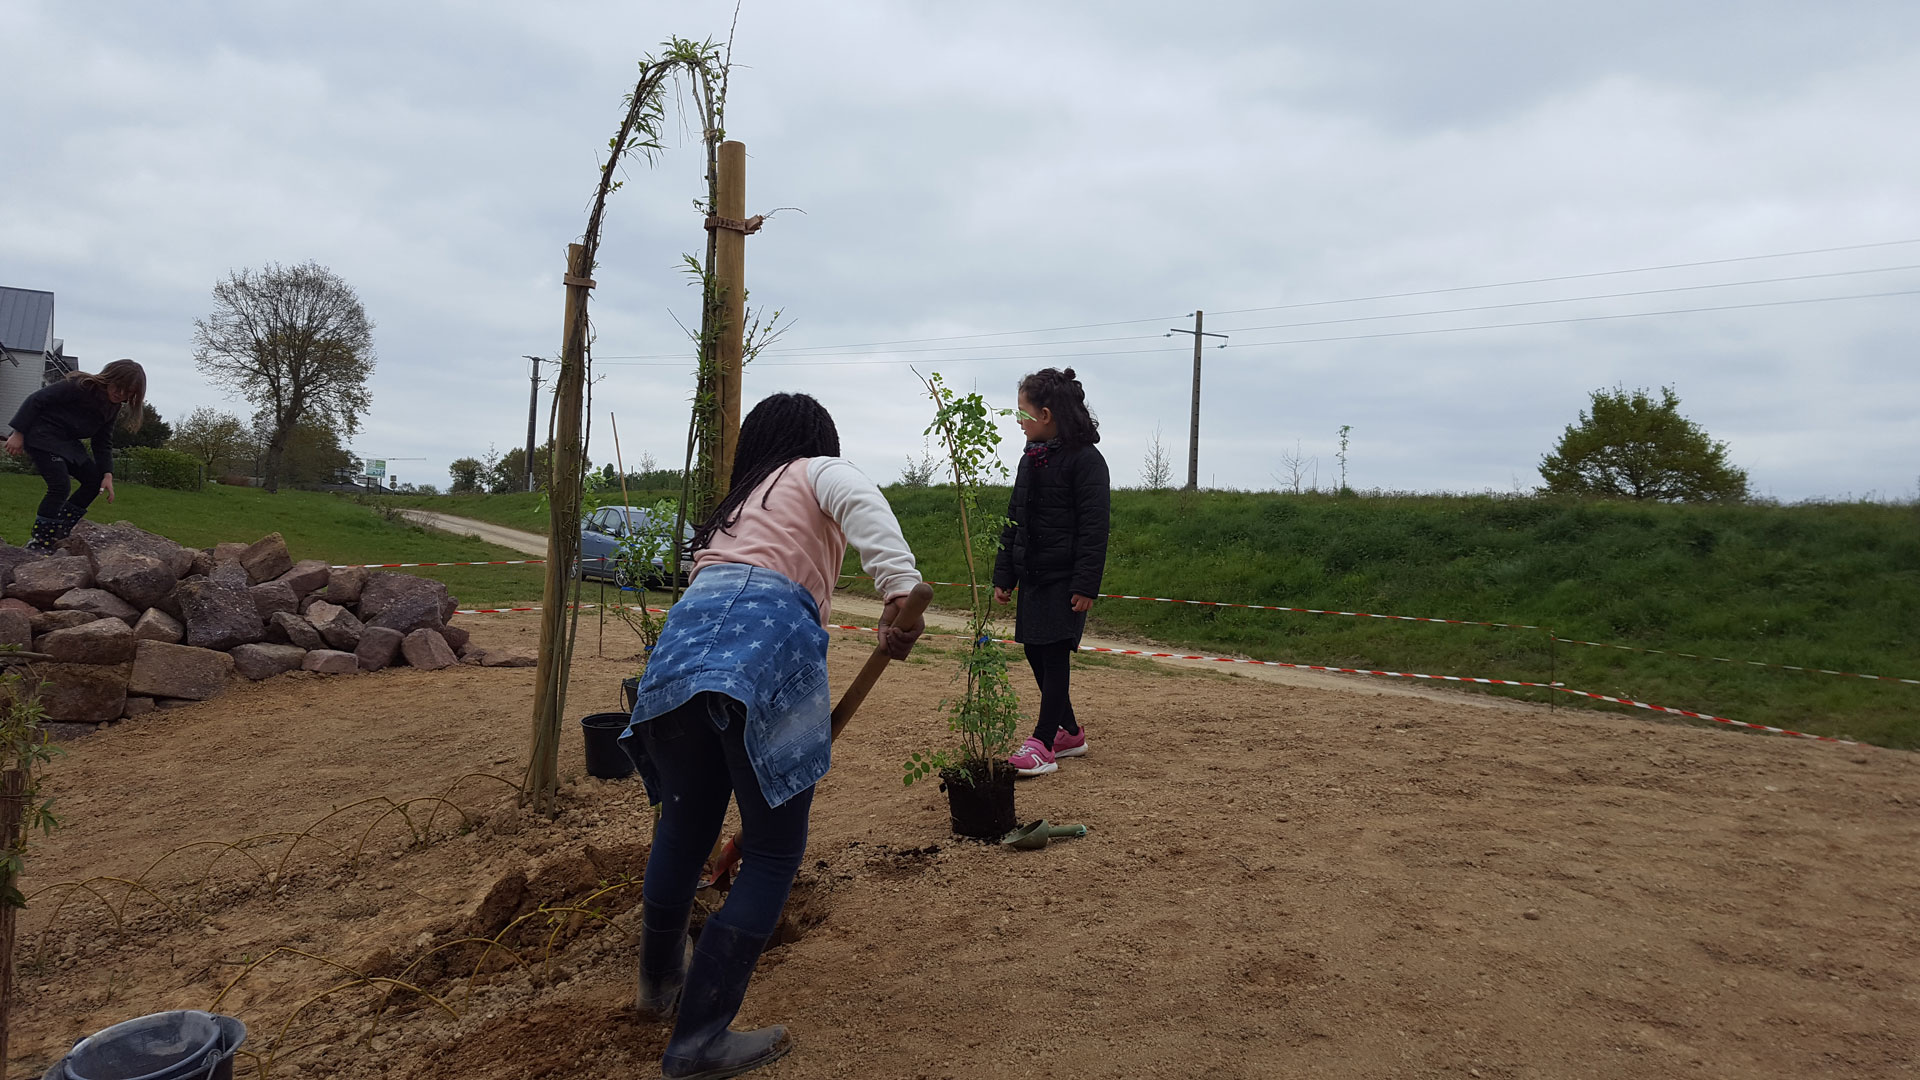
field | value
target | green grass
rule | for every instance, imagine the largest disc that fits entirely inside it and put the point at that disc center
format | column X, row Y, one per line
column 339, row 529
column 1834, row 586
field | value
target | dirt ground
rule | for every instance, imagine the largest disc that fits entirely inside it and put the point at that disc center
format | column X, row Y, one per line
column 1281, row 880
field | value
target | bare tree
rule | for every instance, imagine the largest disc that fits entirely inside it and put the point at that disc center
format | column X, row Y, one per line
column 1295, row 466
column 294, row 341
column 1157, row 473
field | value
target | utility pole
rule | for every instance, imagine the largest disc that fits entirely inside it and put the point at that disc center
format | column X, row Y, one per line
column 1193, row 427
column 533, row 404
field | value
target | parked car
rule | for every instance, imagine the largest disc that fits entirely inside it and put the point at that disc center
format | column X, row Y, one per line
column 600, row 535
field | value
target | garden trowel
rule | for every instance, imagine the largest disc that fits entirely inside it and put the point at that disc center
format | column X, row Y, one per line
column 1039, row 834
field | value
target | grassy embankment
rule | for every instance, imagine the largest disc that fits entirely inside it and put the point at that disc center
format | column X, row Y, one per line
column 1835, row 586
column 336, row 528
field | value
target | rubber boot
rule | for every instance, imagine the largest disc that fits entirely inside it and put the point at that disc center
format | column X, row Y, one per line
column 65, row 519
column 702, row 1048
column 46, row 533
column 664, row 956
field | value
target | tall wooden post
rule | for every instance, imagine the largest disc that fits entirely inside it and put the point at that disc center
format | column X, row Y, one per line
column 563, row 542
column 1193, row 424
column 730, row 280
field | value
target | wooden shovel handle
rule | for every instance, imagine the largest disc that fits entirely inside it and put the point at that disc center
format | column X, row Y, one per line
column 856, row 692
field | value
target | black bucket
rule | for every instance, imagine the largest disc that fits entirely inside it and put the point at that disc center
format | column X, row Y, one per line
column 181, row 1045
column 605, row 758
column 982, row 810
column 629, row 693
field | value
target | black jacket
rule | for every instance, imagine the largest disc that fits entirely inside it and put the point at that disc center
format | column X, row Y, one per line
column 55, row 418
column 1058, row 528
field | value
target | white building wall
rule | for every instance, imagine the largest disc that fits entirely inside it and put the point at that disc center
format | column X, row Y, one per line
column 17, row 381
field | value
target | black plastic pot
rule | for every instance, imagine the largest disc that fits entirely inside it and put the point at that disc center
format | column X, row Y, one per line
column 630, row 692
column 983, row 809
column 605, row 758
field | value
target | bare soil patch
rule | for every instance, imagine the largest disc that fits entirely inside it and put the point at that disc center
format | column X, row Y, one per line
column 1281, row 880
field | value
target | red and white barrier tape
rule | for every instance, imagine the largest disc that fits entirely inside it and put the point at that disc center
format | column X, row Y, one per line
column 1705, row 716
column 1749, row 663
column 1477, row 622
column 386, row 565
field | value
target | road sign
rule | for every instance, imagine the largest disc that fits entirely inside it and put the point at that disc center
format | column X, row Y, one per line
column 377, row 467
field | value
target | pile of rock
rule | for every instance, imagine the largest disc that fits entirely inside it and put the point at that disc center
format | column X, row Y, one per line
column 126, row 621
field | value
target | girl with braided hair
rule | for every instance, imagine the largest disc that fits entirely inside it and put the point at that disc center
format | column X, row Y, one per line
column 734, row 706
column 1054, row 549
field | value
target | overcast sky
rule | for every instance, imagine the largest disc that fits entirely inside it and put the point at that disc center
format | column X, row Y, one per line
column 1007, row 168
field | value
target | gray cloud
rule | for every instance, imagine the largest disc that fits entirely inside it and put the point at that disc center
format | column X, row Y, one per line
column 1005, row 167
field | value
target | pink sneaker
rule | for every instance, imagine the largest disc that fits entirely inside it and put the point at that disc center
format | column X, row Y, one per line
column 1065, row 745
column 1032, row 759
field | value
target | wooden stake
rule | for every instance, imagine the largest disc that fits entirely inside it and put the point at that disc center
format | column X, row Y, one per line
column 13, row 786
column 563, row 543
column 730, row 281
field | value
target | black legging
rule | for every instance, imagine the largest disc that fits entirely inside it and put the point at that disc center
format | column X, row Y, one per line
column 58, row 474
column 1050, row 663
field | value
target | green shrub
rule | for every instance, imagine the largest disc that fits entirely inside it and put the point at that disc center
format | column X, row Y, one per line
column 160, row 468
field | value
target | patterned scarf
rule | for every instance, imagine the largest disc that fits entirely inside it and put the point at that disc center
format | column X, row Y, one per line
column 1037, row 452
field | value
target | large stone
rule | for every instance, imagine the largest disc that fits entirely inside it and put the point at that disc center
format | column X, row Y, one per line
column 230, row 574
column 457, row 637
column 97, row 541
column 274, row 596
column 16, row 629
column 43, row 581
column 140, row 579
column 202, row 564
column 84, row 693
column 345, row 585
column 21, row 606
column 427, row 650
column 46, row 622
column 258, row 662
column 99, row 603
column 378, row 646
column 157, row 625
column 290, row 629
column 217, row 616
column 229, row 551
column 11, row 558
column 161, row 670
column 137, row 706
column 404, row 602
column 102, row 641
column 331, row 662
column 307, row 575
column 266, row 558
column 337, row 626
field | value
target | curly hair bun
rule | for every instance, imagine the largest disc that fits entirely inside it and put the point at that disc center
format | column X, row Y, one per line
column 1068, row 375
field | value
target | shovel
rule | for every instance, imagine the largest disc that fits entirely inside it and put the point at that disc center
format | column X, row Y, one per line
column 856, row 692
column 1039, row 834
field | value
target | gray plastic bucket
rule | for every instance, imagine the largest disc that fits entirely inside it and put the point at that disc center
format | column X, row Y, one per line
column 182, row 1045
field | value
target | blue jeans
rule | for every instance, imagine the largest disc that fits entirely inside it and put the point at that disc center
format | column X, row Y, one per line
column 701, row 765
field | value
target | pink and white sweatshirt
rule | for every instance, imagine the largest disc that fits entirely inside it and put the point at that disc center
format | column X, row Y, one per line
column 814, row 508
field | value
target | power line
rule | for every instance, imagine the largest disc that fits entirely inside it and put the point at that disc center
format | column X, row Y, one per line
column 1577, row 299
column 1319, row 340
column 1577, row 277
column 950, row 337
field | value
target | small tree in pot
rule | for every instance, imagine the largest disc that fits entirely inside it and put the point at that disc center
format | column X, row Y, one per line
column 986, row 717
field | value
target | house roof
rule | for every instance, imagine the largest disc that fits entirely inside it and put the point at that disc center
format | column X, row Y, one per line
column 26, row 320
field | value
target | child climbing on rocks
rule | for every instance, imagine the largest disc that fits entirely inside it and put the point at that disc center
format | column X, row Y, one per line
column 48, row 428
column 1054, row 549
column 734, row 706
